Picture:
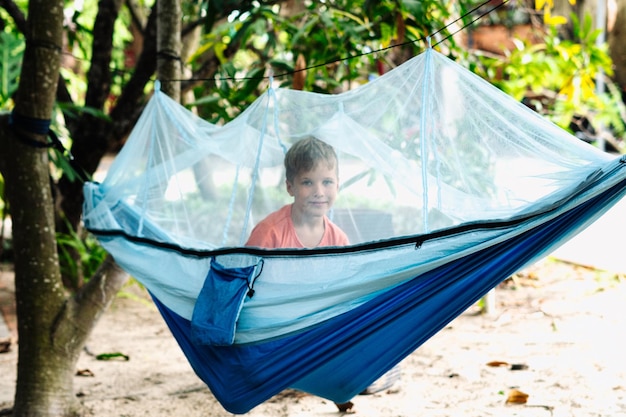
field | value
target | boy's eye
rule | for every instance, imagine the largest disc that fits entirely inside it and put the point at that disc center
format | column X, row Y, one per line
column 306, row 182
column 329, row 182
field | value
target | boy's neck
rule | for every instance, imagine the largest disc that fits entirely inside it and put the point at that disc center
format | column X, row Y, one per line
column 309, row 229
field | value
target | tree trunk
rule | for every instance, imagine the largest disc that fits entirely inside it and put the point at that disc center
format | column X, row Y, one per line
column 169, row 47
column 38, row 293
column 617, row 39
column 52, row 329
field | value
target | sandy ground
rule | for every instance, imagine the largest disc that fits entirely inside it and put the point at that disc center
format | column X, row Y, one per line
column 562, row 324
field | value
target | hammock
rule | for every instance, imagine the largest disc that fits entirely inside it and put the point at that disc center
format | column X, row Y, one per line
column 448, row 186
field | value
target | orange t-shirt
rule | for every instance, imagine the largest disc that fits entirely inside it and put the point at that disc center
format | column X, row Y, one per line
column 277, row 231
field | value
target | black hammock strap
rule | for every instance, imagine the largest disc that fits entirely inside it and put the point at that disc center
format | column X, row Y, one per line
column 38, row 127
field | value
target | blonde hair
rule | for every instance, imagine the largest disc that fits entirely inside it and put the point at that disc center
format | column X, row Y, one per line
column 305, row 154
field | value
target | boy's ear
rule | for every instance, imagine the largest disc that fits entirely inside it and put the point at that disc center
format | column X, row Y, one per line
column 289, row 187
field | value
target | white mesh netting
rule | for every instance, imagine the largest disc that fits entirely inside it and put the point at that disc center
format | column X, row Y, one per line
column 427, row 146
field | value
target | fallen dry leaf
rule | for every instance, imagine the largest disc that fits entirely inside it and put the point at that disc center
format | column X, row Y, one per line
column 84, row 372
column 497, row 363
column 5, row 346
column 517, row 397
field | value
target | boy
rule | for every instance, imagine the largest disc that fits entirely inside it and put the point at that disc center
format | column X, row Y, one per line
column 313, row 182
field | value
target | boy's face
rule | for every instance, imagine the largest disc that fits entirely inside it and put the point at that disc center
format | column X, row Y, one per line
column 314, row 192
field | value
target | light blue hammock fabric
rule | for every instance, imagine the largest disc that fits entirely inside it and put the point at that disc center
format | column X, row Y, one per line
column 449, row 186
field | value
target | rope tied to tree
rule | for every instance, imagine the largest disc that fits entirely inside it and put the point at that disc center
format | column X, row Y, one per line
column 36, row 126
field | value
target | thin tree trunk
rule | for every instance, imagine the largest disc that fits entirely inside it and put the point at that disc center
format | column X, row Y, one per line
column 169, row 47
column 617, row 39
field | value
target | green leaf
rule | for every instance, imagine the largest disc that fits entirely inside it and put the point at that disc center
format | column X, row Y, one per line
column 281, row 66
column 206, row 100
column 110, row 356
column 11, row 53
column 250, row 85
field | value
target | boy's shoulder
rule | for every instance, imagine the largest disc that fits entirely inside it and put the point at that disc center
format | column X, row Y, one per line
column 274, row 231
column 278, row 216
column 276, row 220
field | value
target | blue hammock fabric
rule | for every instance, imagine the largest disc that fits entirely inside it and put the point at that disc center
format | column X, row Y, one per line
column 449, row 219
column 341, row 357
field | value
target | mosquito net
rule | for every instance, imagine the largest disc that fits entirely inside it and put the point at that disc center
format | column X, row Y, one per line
column 427, row 146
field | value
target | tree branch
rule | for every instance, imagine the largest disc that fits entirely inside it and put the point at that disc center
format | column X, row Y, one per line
column 15, row 13
column 83, row 311
column 99, row 75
